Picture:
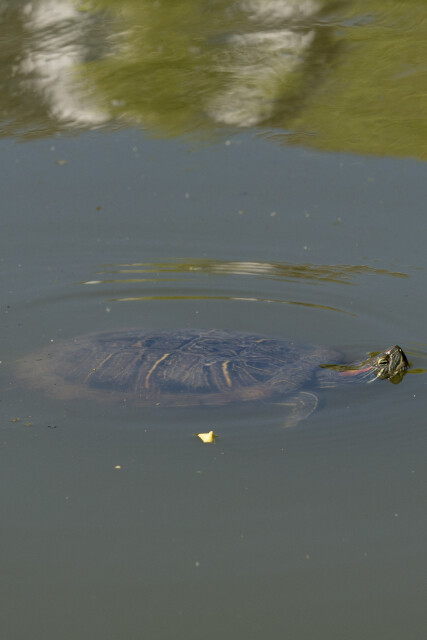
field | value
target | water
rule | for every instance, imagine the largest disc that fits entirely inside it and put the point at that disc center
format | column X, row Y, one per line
column 120, row 522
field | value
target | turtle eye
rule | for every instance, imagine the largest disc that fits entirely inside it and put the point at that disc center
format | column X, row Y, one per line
column 383, row 361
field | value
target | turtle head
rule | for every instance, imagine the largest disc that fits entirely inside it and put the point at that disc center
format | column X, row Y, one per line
column 390, row 364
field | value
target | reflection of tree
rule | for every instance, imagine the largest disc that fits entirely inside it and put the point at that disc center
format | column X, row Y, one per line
column 375, row 99
column 347, row 81
column 181, row 68
column 175, row 67
column 206, row 279
column 313, row 273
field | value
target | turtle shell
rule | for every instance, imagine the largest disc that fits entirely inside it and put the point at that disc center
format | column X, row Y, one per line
column 178, row 367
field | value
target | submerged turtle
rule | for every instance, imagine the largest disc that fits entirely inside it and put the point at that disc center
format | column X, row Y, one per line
column 194, row 367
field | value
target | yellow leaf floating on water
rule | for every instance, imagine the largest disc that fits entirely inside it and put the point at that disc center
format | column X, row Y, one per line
column 207, row 437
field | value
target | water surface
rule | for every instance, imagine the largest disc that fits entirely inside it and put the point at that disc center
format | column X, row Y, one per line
column 137, row 193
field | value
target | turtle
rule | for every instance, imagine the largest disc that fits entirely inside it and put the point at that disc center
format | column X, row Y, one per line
column 187, row 367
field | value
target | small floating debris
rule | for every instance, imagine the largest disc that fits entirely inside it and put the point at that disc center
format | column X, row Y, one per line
column 207, row 437
column 27, row 424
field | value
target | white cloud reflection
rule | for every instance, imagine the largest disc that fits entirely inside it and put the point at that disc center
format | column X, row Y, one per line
column 259, row 63
column 54, row 49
